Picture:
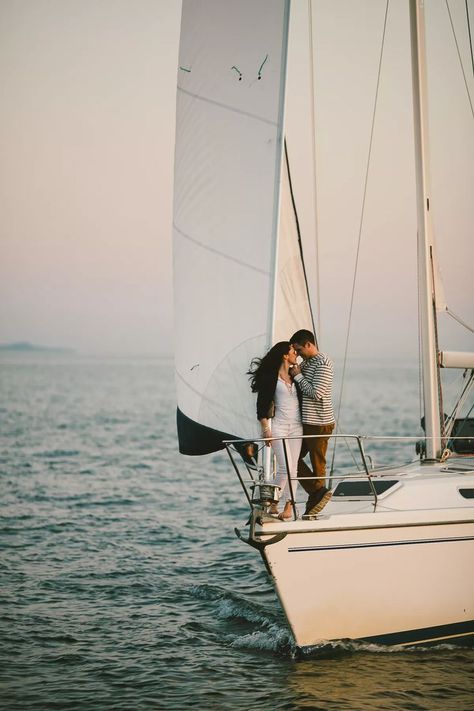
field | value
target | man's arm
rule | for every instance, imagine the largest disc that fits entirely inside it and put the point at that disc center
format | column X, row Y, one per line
column 317, row 383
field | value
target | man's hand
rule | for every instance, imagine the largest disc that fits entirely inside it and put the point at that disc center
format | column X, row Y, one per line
column 294, row 370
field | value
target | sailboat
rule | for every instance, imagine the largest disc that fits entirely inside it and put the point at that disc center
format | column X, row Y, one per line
column 390, row 558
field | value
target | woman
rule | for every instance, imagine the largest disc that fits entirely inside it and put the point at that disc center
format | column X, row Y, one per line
column 278, row 411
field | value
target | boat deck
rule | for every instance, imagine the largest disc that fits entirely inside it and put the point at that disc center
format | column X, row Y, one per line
column 414, row 494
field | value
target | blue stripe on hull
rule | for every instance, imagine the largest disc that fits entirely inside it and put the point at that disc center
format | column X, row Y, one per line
column 461, row 633
column 350, row 546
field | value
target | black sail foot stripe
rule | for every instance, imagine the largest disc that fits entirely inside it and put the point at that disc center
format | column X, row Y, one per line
column 195, row 439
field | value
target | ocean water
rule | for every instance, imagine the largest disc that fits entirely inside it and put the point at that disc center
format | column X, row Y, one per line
column 122, row 584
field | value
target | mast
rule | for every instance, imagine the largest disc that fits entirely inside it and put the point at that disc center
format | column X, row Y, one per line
column 425, row 283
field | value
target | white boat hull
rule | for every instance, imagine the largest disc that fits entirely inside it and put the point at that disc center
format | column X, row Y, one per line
column 393, row 585
column 399, row 574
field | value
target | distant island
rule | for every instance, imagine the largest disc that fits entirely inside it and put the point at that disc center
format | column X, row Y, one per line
column 26, row 347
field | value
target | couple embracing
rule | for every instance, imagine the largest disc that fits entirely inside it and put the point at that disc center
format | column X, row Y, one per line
column 292, row 401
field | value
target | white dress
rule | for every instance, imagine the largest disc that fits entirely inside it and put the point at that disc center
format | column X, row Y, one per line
column 286, row 423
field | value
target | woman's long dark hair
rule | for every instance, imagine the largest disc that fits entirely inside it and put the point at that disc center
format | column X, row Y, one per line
column 268, row 365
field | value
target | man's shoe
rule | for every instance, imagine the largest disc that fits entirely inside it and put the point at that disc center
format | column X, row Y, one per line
column 317, row 501
column 314, row 499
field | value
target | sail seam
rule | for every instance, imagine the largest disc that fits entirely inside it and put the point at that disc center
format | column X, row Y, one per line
column 228, row 107
column 219, row 253
column 204, row 398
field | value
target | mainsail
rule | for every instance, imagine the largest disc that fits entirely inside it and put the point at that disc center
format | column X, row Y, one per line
column 228, row 208
column 292, row 305
column 239, row 287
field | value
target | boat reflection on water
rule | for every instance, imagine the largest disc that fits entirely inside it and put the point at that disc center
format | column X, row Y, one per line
column 354, row 676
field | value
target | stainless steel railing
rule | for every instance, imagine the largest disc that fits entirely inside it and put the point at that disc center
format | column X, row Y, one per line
column 258, row 477
column 256, row 482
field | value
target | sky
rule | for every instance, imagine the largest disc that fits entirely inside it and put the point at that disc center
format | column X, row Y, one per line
column 87, row 102
column 87, row 139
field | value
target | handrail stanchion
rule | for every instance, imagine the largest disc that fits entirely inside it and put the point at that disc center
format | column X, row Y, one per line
column 364, row 462
column 238, row 474
column 267, row 463
column 290, row 483
column 266, row 451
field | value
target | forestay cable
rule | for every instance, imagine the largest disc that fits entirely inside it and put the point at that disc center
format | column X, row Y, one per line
column 361, row 223
column 459, row 55
column 469, row 33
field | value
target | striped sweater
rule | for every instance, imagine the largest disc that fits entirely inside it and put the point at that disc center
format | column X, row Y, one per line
column 315, row 384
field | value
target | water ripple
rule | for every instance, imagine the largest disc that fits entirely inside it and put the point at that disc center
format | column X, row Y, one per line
column 123, row 585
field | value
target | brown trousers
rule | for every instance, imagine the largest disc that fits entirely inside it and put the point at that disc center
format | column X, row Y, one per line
column 317, row 449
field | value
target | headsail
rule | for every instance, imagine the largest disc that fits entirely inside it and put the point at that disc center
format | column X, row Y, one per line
column 228, row 152
column 292, row 304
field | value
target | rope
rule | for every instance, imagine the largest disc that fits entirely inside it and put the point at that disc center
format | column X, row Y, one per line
column 420, row 369
column 464, row 393
column 259, row 75
column 361, row 223
column 445, row 455
column 465, row 419
column 442, row 427
column 436, row 344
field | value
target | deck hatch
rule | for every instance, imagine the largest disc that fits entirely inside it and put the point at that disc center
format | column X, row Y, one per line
column 356, row 489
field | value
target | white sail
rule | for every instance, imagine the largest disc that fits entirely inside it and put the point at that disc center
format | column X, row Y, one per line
column 228, row 153
column 452, row 161
column 292, row 308
column 240, row 286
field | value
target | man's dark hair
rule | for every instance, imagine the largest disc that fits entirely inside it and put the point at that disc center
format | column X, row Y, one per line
column 303, row 336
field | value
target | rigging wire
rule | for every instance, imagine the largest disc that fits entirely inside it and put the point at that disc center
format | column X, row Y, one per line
column 346, row 348
column 420, row 357
column 459, row 56
column 460, row 402
column 464, row 421
column 442, row 426
column 459, row 320
column 447, row 424
column 315, row 198
column 300, row 243
column 469, row 33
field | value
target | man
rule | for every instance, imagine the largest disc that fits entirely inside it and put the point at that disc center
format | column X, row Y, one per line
column 314, row 380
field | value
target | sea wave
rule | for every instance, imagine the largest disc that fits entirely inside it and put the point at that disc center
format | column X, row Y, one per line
column 124, row 586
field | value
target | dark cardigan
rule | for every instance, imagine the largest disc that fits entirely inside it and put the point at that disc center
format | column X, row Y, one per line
column 266, row 393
